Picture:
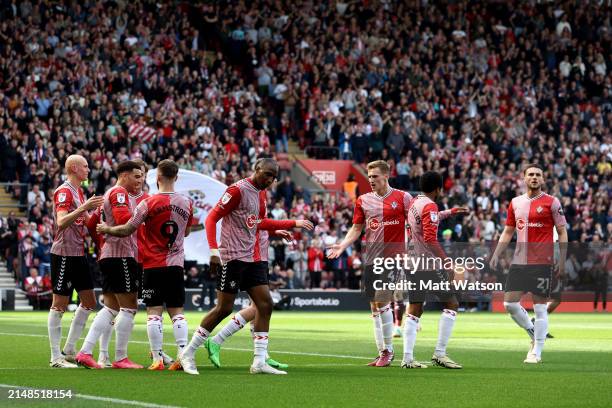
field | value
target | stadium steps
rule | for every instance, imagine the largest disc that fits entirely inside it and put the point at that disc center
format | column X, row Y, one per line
column 295, row 151
column 8, row 204
column 7, row 281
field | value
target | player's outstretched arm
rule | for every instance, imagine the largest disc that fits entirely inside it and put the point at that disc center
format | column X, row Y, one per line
column 116, row 231
column 352, row 235
column 504, row 240
column 66, row 219
column 455, row 211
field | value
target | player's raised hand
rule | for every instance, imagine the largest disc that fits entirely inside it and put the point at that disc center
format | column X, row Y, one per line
column 94, row 202
column 460, row 210
column 334, row 251
column 307, row 225
column 102, row 228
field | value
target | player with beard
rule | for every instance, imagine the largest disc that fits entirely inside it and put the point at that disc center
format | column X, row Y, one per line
column 533, row 216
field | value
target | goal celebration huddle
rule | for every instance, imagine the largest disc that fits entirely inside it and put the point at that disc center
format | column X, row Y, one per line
column 141, row 255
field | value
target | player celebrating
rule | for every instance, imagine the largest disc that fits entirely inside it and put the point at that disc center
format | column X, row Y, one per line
column 168, row 217
column 533, row 215
column 240, row 319
column 423, row 220
column 119, row 271
column 384, row 212
column 244, row 263
column 69, row 267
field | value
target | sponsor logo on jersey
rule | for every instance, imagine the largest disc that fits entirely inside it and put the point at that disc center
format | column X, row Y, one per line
column 394, row 205
column 252, row 221
column 560, row 211
column 521, row 224
column 539, row 209
column 374, row 224
column 121, row 198
column 61, row 197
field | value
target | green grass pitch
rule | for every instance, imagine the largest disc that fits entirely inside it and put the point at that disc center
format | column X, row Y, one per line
column 327, row 353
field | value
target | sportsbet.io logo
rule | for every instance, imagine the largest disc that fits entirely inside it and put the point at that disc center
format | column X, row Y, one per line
column 251, row 221
column 374, row 224
column 521, row 224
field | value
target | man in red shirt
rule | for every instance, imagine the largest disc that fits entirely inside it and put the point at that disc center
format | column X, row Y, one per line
column 119, row 271
column 384, row 213
column 69, row 267
column 533, row 216
column 168, row 217
column 242, row 257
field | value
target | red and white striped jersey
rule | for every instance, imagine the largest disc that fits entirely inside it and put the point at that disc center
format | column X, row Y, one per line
column 167, row 216
column 385, row 219
column 383, row 216
column 142, row 133
column 141, row 229
column 534, row 220
column 69, row 241
column 243, row 209
column 117, row 209
column 423, row 220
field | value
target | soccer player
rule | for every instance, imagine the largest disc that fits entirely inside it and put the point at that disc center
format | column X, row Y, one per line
column 239, row 320
column 119, row 271
column 423, row 220
column 242, row 260
column 533, row 215
column 384, row 212
column 168, row 217
column 69, row 267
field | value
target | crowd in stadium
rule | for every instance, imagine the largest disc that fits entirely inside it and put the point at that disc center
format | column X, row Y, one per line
column 470, row 89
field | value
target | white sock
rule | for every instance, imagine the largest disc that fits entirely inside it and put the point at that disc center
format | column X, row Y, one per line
column 236, row 323
column 179, row 325
column 54, row 326
column 155, row 332
column 260, row 341
column 541, row 328
column 252, row 328
column 411, row 324
column 199, row 337
column 102, row 322
column 445, row 329
column 520, row 316
column 123, row 330
column 386, row 318
column 105, row 338
column 79, row 320
column 378, row 334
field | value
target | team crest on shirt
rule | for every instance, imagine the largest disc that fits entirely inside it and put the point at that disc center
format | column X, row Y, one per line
column 226, row 198
column 61, row 197
column 394, row 205
column 121, row 198
column 539, row 209
column 433, row 216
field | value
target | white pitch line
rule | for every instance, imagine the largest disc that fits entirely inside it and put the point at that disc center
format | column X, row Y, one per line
column 97, row 398
column 250, row 350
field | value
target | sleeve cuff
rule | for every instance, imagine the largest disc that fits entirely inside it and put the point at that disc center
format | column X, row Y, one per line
column 215, row 252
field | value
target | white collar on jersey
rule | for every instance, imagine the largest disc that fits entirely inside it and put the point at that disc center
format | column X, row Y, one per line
column 536, row 197
column 386, row 194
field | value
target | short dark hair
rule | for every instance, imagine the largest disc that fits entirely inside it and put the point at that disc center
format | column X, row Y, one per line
column 126, row 167
column 266, row 161
column 141, row 163
column 532, row 166
column 430, row 180
column 167, row 168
